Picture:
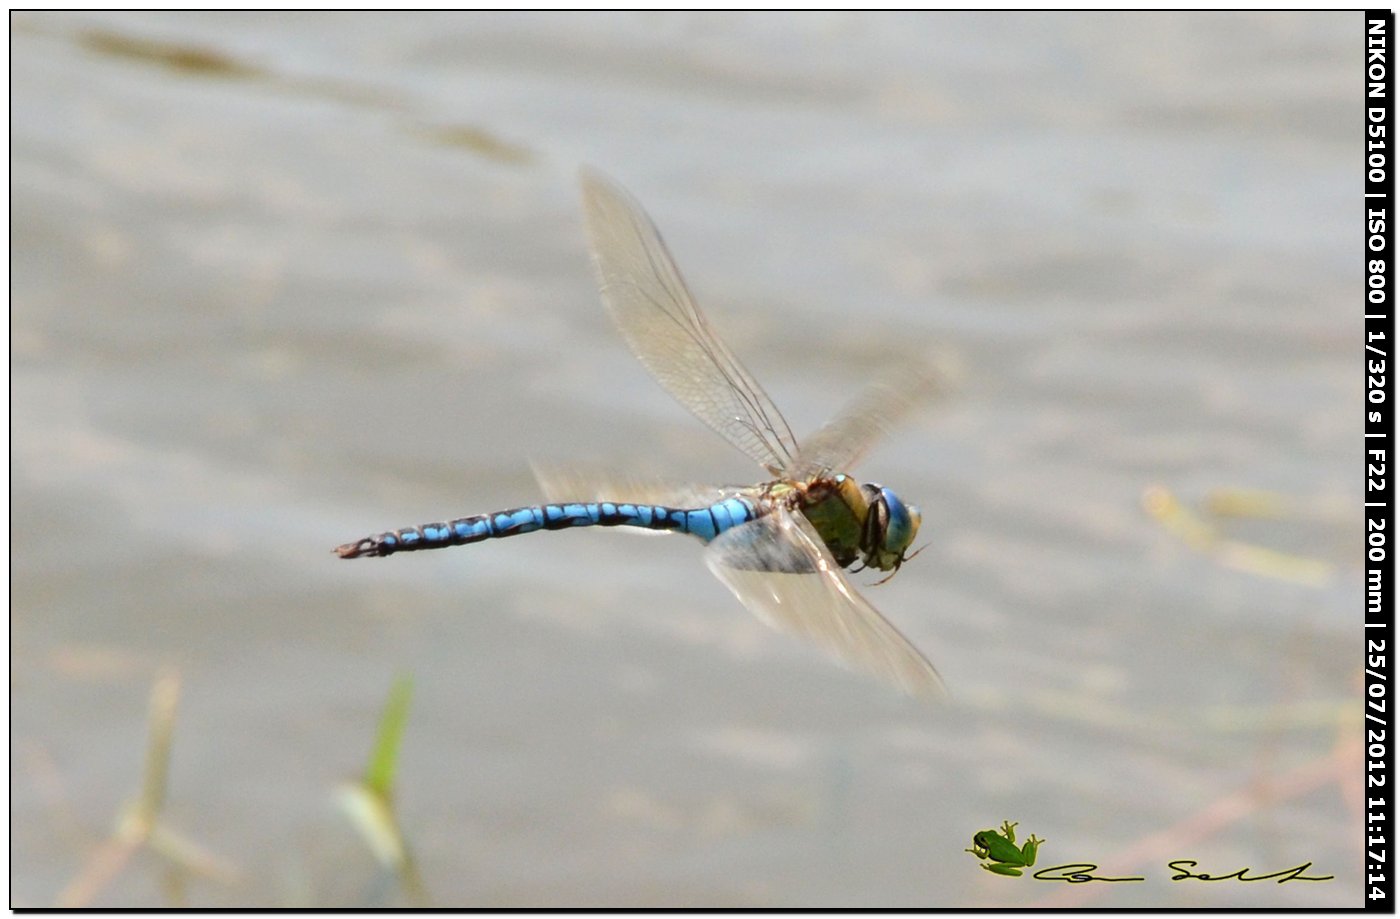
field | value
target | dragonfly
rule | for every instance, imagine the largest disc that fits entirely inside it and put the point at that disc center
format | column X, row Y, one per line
column 781, row 546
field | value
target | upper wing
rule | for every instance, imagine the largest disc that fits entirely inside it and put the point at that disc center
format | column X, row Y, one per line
column 666, row 330
column 841, row 443
column 778, row 567
column 581, row 483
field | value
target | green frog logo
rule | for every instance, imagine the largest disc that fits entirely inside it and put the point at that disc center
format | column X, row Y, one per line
column 999, row 850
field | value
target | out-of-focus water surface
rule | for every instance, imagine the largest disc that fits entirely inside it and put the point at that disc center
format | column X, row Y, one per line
column 283, row 280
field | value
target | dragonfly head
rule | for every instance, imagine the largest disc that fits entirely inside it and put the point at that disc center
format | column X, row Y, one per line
column 890, row 528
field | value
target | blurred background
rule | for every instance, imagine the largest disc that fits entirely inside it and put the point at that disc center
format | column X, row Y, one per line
column 280, row 281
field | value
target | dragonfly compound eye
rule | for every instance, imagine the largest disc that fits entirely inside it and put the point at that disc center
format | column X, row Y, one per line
column 903, row 522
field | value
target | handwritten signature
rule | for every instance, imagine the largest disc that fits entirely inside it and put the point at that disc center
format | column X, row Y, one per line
column 1081, row 873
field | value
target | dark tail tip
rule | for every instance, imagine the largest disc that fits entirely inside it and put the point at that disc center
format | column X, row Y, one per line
column 363, row 548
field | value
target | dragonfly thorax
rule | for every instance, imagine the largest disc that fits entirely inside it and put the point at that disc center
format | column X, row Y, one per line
column 866, row 523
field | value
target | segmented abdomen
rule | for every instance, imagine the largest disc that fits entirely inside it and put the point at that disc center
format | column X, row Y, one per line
column 704, row 522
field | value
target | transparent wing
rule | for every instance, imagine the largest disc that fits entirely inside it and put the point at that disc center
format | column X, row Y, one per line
column 666, row 330
column 778, row 567
column 580, row 483
column 844, row 440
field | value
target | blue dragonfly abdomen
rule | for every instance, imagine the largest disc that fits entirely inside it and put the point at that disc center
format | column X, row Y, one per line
column 703, row 522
